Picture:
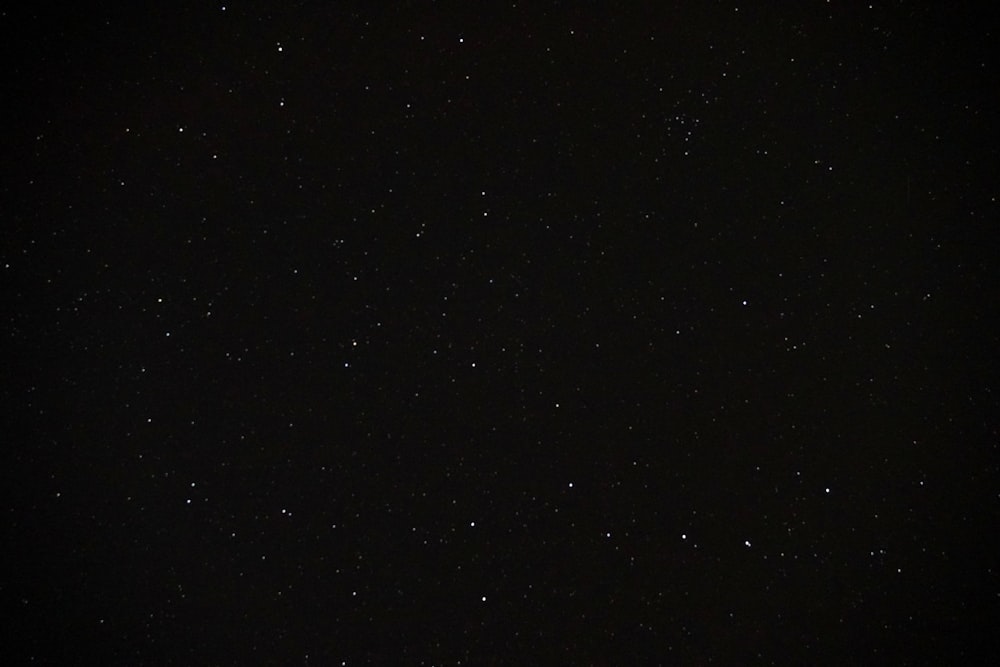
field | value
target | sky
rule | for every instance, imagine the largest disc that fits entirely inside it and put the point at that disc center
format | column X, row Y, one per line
column 443, row 333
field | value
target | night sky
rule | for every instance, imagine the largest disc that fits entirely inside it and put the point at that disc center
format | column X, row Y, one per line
column 500, row 333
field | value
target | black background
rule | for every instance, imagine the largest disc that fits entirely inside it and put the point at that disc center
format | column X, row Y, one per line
column 481, row 333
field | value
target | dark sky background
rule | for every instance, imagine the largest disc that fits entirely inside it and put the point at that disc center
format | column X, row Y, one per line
column 500, row 333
